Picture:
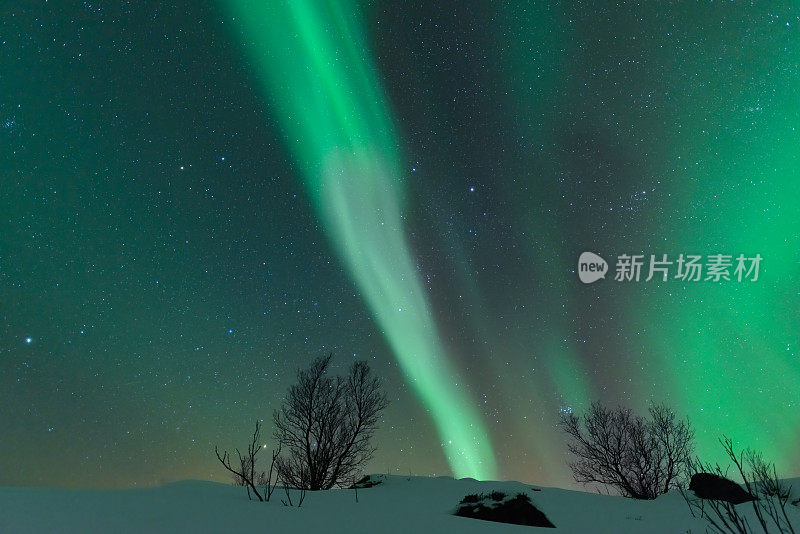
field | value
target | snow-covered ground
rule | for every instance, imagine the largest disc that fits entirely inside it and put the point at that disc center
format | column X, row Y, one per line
column 400, row 504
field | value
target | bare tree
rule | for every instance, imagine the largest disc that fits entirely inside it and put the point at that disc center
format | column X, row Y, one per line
column 325, row 425
column 641, row 458
column 246, row 475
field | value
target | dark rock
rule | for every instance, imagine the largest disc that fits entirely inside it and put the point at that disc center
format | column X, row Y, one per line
column 516, row 511
column 715, row 487
column 366, row 482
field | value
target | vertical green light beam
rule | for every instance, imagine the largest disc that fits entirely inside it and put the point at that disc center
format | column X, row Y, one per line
column 312, row 61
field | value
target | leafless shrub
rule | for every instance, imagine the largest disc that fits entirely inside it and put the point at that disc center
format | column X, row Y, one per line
column 721, row 515
column 641, row 458
column 246, row 474
column 325, row 425
column 760, row 479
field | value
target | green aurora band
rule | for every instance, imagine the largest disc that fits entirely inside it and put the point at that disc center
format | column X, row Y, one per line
column 714, row 129
column 316, row 73
column 721, row 153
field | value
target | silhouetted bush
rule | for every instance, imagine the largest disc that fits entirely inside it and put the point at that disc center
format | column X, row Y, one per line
column 768, row 495
column 247, row 475
column 641, row 458
column 325, row 426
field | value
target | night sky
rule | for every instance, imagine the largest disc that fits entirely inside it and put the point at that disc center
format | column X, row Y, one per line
column 196, row 200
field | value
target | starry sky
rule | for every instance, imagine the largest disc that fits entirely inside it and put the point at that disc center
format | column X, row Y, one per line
column 198, row 199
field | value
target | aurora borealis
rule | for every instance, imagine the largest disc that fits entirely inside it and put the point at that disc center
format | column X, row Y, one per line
column 196, row 200
column 316, row 64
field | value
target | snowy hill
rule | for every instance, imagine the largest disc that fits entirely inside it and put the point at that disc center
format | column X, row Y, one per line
column 397, row 505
